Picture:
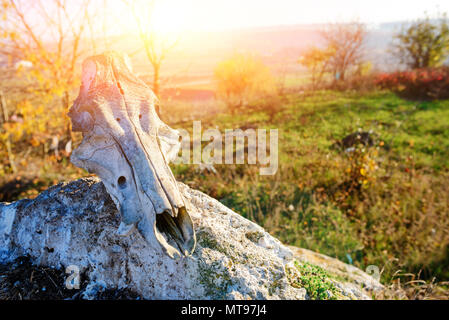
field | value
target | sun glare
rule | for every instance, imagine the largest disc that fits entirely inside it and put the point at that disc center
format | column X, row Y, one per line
column 165, row 17
column 170, row 16
column 181, row 16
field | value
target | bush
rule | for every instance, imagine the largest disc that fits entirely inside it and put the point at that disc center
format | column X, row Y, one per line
column 422, row 84
column 242, row 79
column 356, row 82
column 318, row 62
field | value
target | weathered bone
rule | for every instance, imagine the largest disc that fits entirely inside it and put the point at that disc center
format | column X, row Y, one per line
column 129, row 147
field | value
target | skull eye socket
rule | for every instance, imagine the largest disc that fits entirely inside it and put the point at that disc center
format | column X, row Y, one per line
column 121, row 182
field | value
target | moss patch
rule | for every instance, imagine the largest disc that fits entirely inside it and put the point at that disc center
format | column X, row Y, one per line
column 315, row 280
column 215, row 279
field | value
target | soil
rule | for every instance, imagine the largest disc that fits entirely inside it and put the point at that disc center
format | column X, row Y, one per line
column 21, row 280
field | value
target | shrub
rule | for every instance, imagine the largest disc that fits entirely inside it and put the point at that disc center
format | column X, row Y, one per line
column 242, row 78
column 361, row 83
column 317, row 61
column 423, row 84
column 361, row 166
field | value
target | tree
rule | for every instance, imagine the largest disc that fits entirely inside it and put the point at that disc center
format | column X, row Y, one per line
column 347, row 42
column 242, row 78
column 424, row 43
column 156, row 48
column 318, row 62
column 50, row 35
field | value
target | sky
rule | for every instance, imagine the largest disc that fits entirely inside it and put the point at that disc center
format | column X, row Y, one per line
column 201, row 15
column 179, row 16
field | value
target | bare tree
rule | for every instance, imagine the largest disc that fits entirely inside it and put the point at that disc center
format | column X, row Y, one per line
column 156, row 49
column 347, row 41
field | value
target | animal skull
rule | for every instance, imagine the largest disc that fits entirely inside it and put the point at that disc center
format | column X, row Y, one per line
column 129, row 147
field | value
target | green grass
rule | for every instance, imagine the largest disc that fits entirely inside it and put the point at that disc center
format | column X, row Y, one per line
column 398, row 220
column 316, row 281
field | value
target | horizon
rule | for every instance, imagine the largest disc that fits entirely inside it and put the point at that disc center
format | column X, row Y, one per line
column 203, row 15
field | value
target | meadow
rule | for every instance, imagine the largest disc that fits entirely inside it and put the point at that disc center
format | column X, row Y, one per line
column 382, row 204
column 377, row 199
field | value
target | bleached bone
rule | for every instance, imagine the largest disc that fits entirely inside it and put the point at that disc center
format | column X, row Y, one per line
column 129, row 147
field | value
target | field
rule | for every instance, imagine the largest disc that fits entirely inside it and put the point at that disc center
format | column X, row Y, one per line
column 383, row 205
column 393, row 215
column 377, row 201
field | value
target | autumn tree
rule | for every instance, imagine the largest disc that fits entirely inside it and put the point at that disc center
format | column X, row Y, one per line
column 317, row 61
column 242, row 78
column 347, row 41
column 423, row 43
column 50, row 35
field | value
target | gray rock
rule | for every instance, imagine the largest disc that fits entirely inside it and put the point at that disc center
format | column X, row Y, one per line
column 76, row 224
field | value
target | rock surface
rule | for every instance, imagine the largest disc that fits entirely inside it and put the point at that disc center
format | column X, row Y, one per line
column 75, row 224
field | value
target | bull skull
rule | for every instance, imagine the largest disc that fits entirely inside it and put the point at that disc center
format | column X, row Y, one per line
column 129, row 147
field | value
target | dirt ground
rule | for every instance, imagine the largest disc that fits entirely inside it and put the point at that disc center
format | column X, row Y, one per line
column 21, row 280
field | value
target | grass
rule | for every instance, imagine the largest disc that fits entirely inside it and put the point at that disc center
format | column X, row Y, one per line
column 316, row 281
column 394, row 213
column 397, row 219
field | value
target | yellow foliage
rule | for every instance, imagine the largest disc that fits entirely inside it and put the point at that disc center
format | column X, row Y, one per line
column 362, row 166
column 315, row 58
column 363, row 171
column 317, row 61
column 241, row 78
column 34, row 124
column 364, row 68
